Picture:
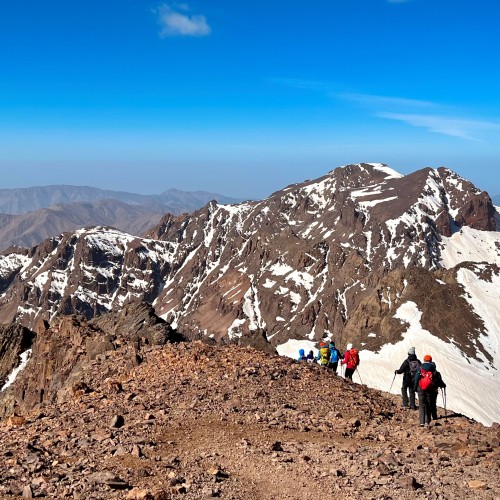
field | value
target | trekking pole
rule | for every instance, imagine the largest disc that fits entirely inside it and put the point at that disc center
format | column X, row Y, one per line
column 444, row 403
column 357, row 371
column 392, row 382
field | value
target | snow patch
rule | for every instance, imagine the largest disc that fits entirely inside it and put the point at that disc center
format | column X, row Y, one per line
column 24, row 358
column 470, row 245
column 291, row 348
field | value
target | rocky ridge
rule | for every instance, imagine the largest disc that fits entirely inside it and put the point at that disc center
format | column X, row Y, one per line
column 197, row 421
column 63, row 350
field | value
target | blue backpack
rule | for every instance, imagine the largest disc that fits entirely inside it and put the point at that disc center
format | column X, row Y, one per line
column 334, row 357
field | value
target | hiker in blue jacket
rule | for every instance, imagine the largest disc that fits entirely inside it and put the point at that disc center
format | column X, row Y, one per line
column 334, row 357
column 302, row 355
column 427, row 382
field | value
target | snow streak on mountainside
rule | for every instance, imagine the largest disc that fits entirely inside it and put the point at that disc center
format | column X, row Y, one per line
column 334, row 257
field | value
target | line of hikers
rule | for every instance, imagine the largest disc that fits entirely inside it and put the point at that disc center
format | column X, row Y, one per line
column 329, row 356
column 420, row 378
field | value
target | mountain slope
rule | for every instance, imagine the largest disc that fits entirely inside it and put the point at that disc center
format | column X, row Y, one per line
column 23, row 200
column 363, row 255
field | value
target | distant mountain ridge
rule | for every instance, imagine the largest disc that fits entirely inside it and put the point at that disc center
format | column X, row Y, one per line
column 30, row 215
column 23, row 200
column 30, row 229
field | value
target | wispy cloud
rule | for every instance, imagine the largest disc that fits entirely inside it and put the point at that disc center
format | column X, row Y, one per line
column 179, row 22
column 436, row 118
column 332, row 90
column 455, row 127
column 381, row 100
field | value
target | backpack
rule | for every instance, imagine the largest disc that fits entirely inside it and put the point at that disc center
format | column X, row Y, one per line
column 414, row 366
column 353, row 358
column 425, row 382
column 324, row 356
column 334, row 356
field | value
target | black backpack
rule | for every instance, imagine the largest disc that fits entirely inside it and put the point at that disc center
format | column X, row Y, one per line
column 414, row 367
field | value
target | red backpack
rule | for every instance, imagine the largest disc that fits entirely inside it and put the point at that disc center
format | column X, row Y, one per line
column 353, row 358
column 425, row 381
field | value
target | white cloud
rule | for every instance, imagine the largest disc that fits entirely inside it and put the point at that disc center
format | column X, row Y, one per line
column 455, row 127
column 175, row 23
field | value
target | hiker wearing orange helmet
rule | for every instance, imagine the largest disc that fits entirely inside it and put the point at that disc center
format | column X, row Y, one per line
column 323, row 356
column 427, row 382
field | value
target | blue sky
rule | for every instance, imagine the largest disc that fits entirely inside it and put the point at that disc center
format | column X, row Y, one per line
column 244, row 97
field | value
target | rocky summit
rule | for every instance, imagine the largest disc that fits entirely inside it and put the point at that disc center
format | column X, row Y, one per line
column 193, row 421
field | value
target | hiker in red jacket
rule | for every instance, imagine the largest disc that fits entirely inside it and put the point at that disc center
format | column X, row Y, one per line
column 351, row 359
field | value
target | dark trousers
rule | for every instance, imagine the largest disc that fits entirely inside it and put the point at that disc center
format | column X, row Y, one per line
column 424, row 406
column 433, row 397
column 405, row 391
column 349, row 372
column 334, row 366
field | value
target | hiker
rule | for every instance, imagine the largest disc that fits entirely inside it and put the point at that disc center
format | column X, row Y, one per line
column 409, row 369
column 351, row 359
column 427, row 382
column 310, row 357
column 302, row 355
column 323, row 356
column 335, row 355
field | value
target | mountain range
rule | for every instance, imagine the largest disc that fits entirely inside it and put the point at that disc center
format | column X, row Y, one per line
column 175, row 201
column 362, row 255
column 30, row 215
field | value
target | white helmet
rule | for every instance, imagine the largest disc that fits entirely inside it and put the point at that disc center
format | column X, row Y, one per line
column 349, row 347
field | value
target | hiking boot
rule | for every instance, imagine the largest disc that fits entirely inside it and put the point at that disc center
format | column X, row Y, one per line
column 413, row 408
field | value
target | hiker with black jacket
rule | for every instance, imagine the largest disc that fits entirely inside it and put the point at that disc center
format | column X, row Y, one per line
column 427, row 382
column 409, row 369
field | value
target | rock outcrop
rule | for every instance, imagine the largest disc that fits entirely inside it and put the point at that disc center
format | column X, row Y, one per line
column 64, row 349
